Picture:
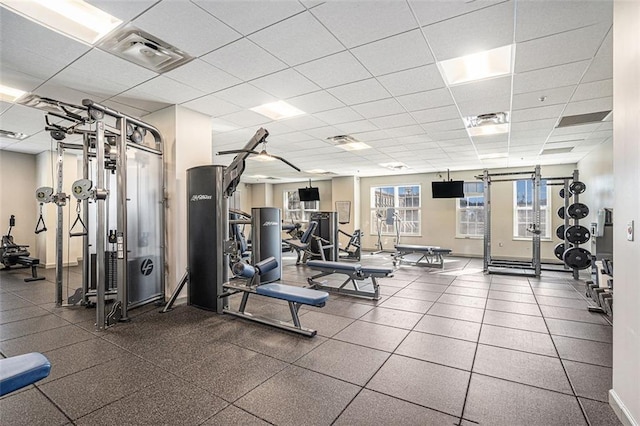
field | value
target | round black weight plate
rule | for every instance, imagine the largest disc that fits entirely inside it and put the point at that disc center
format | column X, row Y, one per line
column 558, row 250
column 577, row 234
column 577, row 211
column 136, row 136
column 560, row 232
column 577, row 257
column 58, row 135
column 561, row 212
column 562, row 193
column 577, row 187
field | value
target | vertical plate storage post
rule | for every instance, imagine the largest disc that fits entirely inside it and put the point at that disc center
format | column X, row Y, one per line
column 486, row 181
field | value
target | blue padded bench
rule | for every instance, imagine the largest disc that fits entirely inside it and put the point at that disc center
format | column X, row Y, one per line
column 19, row 371
column 433, row 255
column 295, row 296
column 354, row 272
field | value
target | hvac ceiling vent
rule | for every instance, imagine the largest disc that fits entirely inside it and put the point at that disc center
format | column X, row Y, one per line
column 574, row 120
column 141, row 48
column 556, row 151
column 12, row 135
column 348, row 143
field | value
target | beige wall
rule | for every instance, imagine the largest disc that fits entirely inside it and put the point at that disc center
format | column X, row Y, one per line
column 17, row 197
column 625, row 396
column 324, row 188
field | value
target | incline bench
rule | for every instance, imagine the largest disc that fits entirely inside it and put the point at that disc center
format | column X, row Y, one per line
column 295, row 296
column 433, row 255
column 354, row 272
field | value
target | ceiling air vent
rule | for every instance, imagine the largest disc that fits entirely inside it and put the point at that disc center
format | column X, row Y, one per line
column 348, row 143
column 141, row 48
column 12, row 135
column 574, row 120
column 556, row 151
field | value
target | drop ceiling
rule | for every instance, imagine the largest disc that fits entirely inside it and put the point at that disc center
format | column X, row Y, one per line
column 367, row 69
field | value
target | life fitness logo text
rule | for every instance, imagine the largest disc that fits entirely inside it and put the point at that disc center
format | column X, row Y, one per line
column 200, row 197
column 270, row 223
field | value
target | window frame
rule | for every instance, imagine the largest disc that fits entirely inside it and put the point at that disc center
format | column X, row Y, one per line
column 305, row 208
column 396, row 205
column 480, row 211
column 545, row 210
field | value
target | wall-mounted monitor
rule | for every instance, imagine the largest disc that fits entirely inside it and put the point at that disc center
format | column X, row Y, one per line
column 309, row 194
column 448, row 189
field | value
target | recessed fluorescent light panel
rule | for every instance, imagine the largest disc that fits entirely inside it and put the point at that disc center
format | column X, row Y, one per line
column 9, row 94
column 493, row 123
column 395, row 165
column 493, row 156
column 73, row 18
column 478, row 66
column 278, row 110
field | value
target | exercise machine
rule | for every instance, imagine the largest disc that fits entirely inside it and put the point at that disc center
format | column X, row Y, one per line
column 12, row 254
column 302, row 245
column 429, row 255
column 354, row 272
column 353, row 249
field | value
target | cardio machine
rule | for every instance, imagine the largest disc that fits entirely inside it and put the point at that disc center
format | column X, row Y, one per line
column 12, row 254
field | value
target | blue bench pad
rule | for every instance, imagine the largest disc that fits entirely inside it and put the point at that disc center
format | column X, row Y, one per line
column 336, row 266
column 376, row 271
column 292, row 293
column 22, row 370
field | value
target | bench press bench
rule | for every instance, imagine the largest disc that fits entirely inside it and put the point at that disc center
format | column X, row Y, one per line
column 433, row 255
column 354, row 272
column 23, row 370
column 294, row 296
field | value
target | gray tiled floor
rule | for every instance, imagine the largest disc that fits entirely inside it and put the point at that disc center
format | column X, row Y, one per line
column 441, row 347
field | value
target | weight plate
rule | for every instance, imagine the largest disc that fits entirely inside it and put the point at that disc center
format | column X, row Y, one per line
column 560, row 232
column 577, row 234
column 577, row 187
column 136, row 136
column 561, row 212
column 577, row 211
column 577, row 257
column 58, row 135
column 558, row 250
column 562, row 193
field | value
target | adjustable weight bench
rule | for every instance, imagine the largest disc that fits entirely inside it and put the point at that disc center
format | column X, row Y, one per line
column 295, row 296
column 354, row 272
column 433, row 255
column 19, row 371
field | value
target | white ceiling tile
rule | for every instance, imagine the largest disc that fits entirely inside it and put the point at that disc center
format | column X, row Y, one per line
column 185, row 26
column 587, row 106
column 391, row 121
column 19, row 80
column 334, row 70
column 246, row 96
column 244, row 59
column 400, row 52
column 22, row 119
column 448, row 135
column 559, row 95
column 135, row 101
column 421, row 141
column 436, row 114
column 379, row 108
column 563, row 48
column 549, row 78
column 528, row 135
column 356, row 23
column 163, row 89
column 411, row 81
column 123, row 10
column 323, row 132
column 245, row 118
column 125, row 109
column 304, row 122
column 374, row 135
column 26, row 147
column 426, row 100
column 593, row 90
column 360, row 92
column 483, row 106
column 64, row 94
column 203, row 76
column 539, row 113
column 495, row 87
column 338, row 115
column 534, row 20
column 429, row 12
column 547, row 124
column 212, row 105
column 5, row 106
column 404, row 131
column 312, row 40
column 294, row 137
column 438, row 126
column 315, row 102
column 601, row 67
column 356, row 126
column 247, row 17
column 481, row 30
column 285, row 84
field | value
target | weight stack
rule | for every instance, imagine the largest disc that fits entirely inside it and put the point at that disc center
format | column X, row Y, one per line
column 266, row 240
column 207, row 229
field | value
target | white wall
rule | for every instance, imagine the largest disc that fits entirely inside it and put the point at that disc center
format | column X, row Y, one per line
column 625, row 396
column 17, row 197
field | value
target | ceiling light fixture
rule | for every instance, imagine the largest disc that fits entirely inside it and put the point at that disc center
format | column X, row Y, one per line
column 395, row 165
column 278, row 110
column 493, row 123
column 493, row 156
column 348, row 143
column 13, row 135
column 9, row 94
column 477, row 66
column 73, row 18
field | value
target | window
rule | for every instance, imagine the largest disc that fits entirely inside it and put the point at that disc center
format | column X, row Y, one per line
column 470, row 211
column 523, row 209
column 296, row 210
column 393, row 206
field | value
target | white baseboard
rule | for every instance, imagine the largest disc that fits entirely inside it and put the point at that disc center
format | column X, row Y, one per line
column 621, row 410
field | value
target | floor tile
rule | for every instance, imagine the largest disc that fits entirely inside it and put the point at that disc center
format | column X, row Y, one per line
column 343, row 308
column 325, row 324
column 513, row 307
column 511, row 297
column 600, row 413
column 410, row 293
column 511, row 288
column 430, row 385
column 471, row 284
column 467, row 291
column 511, row 320
column 21, row 314
column 570, row 294
column 456, row 312
column 498, row 402
column 25, row 327
column 404, row 304
column 529, row 369
column 434, row 288
column 581, row 330
column 437, row 349
column 590, row 381
column 563, row 302
column 513, row 281
column 234, row 416
column 278, row 400
column 352, row 363
column 241, row 371
column 392, row 317
column 373, row 408
column 586, row 351
column 520, row 340
column 449, row 327
column 30, row 408
column 46, row 340
column 582, row 315
column 372, row 335
column 280, row 344
column 456, row 299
